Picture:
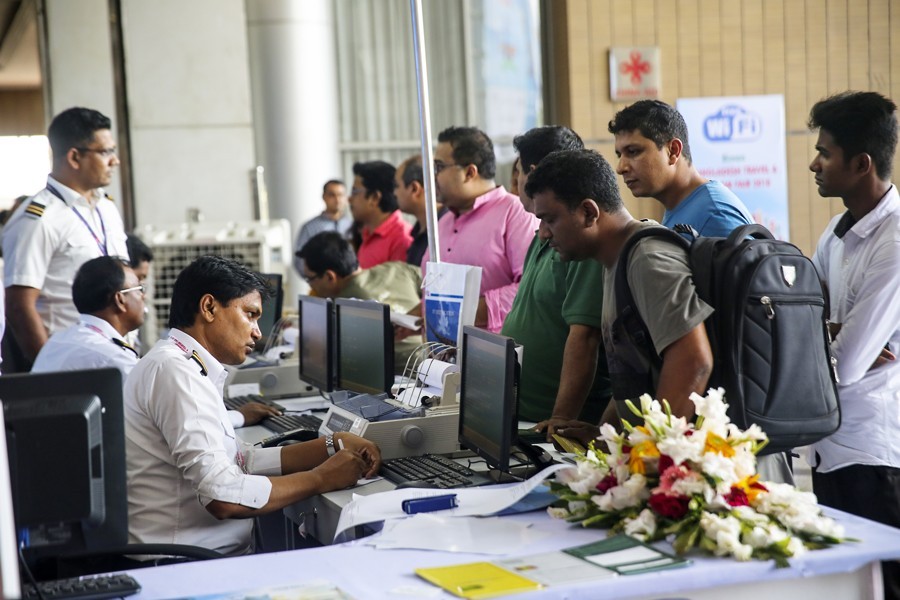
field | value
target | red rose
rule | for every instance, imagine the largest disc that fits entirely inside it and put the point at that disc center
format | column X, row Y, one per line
column 670, row 507
column 737, row 497
column 665, row 461
column 607, row 483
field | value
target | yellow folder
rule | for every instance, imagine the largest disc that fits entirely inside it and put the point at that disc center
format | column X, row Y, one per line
column 477, row 580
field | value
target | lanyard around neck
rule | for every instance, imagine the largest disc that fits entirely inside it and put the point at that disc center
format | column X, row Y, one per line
column 100, row 244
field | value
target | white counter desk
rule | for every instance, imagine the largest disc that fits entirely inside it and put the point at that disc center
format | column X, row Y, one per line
column 845, row 572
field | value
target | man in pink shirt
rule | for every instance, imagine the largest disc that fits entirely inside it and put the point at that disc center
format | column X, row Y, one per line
column 485, row 226
column 385, row 235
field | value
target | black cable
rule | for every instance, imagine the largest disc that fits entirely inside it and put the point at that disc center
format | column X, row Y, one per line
column 31, row 579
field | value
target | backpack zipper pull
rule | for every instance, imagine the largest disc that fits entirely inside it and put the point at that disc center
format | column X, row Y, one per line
column 767, row 303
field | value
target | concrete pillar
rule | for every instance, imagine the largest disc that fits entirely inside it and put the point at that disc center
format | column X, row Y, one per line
column 295, row 105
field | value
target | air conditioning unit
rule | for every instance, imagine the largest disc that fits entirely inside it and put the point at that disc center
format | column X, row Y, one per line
column 264, row 246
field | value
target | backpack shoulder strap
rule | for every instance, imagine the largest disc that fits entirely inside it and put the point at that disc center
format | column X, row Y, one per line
column 627, row 311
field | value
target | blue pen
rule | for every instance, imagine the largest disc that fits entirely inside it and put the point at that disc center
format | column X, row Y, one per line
column 429, row 504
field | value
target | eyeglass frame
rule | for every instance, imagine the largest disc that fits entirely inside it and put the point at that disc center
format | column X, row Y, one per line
column 106, row 153
column 309, row 279
column 440, row 166
column 141, row 287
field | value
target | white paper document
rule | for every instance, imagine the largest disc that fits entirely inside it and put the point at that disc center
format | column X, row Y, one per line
column 480, row 501
column 478, row 535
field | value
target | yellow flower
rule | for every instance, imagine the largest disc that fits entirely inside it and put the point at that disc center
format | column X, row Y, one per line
column 645, row 449
column 717, row 444
column 751, row 487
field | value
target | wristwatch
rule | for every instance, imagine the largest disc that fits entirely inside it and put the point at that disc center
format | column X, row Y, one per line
column 329, row 445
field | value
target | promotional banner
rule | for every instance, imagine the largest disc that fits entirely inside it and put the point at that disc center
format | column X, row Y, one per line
column 740, row 141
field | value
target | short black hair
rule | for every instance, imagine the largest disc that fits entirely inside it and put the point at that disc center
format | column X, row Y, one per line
column 574, row 175
column 412, row 170
column 329, row 250
column 332, row 182
column 138, row 251
column 224, row 278
column 535, row 144
column 655, row 120
column 378, row 176
column 96, row 283
column 74, row 128
column 860, row 122
column 471, row 146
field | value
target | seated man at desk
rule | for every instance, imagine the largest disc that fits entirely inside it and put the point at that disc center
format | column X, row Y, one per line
column 110, row 303
column 190, row 480
column 332, row 271
column 109, row 297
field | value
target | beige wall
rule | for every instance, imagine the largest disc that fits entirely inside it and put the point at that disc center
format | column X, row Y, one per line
column 22, row 112
column 803, row 49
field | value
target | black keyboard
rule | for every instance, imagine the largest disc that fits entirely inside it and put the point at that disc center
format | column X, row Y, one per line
column 283, row 423
column 238, row 401
column 439, row 470
column 93, row 586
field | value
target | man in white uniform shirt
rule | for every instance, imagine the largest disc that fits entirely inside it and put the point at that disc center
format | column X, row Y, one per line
column 60, row 228
column 190, row 480
column 857, row 469
column 110, row 303
column 109, row 296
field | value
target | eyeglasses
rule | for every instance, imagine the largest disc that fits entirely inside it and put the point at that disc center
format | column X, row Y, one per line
column 103, row 152
column 440, row 166
column 355, row 191
column 311, row 278
column 134, row 289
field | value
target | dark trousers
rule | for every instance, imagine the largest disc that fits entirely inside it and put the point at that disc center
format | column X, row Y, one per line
column 870, row 492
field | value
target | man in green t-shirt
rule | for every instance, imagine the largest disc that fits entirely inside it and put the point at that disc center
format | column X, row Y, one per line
column 556, row 315
column 332, row 270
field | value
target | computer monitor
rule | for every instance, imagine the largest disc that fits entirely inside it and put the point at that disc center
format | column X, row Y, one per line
column 488, row 396
column 10, row 584
column 317, row 342
column 365, row 346
column 65, row 435
column 271, row 308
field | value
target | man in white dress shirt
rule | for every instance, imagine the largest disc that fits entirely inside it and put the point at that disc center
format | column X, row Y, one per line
column 110, row 303
column 109, row 296
column 60, row 228
column 857, row 469
column 190, row 480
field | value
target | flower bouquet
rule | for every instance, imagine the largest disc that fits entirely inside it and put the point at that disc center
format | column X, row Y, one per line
column 695, row 484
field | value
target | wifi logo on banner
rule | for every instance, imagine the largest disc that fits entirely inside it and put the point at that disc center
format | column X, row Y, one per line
column 732, row 123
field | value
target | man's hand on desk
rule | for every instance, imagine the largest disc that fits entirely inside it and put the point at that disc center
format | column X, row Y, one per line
column 340, row 471
column 254, row 412
column 365, row 449
column 578, row 430
column 551, row 426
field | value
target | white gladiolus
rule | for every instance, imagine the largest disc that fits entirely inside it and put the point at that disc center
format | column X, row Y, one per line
column 643, row 526
column 583, row 479
column 682, row 448
column 558, row 513
column 721, row 468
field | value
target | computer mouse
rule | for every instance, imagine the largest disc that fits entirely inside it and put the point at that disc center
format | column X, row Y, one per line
column 287, row 438
column 416, row 483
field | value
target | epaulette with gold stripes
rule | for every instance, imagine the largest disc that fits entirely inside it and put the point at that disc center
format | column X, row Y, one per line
column 35, row 208
column 196, row 357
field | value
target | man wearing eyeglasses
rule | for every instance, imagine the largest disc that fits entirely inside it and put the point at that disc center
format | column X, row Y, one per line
column 486, row 226
column 110, row 302
column 59, row 229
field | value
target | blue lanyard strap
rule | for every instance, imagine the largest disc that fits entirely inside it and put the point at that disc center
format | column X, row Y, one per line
column 100, row 244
